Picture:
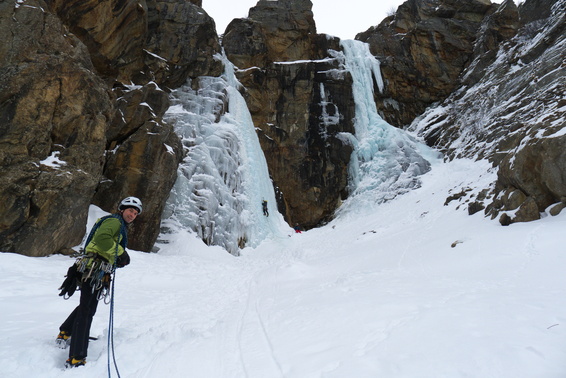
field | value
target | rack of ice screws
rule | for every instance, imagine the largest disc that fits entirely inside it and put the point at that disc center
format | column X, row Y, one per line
column 97, row 273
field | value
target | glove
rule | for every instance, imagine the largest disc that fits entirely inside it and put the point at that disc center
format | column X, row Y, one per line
column 69, row 285
column 123, row 260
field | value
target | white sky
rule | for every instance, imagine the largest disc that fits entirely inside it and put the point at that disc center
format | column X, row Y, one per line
column 331, row 16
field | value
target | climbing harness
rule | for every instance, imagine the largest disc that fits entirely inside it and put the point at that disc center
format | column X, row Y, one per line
column 91, row 270
column 97, row 275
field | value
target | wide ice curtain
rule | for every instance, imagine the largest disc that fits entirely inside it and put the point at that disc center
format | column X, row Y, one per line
column 224, row 178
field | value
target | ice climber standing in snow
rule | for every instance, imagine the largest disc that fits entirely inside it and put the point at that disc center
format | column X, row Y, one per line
column 105, row 249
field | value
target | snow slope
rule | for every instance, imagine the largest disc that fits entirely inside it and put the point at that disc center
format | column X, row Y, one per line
column 411, row 288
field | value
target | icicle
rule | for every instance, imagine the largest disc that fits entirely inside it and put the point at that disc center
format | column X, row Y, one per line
column 327, row 118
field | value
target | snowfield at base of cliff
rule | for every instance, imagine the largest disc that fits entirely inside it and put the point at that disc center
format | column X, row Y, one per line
column 413, row 288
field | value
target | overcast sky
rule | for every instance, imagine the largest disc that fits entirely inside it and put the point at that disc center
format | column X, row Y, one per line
column 340, row 18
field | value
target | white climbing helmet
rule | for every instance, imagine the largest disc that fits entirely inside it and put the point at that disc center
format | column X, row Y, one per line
column 131, row 202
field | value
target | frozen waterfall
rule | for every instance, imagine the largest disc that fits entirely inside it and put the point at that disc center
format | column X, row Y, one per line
column 386, row 160
column 224, row 178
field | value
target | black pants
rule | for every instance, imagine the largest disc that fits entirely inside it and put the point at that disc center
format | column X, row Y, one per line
column 79, row 321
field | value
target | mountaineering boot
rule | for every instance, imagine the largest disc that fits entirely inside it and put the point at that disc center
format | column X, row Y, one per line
column 73, row 362
column 63, row 340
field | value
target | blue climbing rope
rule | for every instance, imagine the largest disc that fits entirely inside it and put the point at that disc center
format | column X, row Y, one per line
column 110, row 341
column 110, row 345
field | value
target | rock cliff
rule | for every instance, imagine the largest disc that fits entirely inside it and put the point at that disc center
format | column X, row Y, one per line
column 510, row 108
column 54, row 109
column 291, row 77
column 85, row 85
column 84, row 89
column 423, row 47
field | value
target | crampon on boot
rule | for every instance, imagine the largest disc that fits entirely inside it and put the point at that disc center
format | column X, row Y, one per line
column 63, row 340
column 73, row 362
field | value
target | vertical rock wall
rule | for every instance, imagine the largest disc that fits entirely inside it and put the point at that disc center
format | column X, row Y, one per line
column 84, row 89
column 510, row 109
column 423, row 48
column 291, row 79
column 53, row 115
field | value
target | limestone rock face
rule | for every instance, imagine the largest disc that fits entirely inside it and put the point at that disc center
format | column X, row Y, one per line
column 162, row 40
column 538, row 169
column 245, row 43
column 113, row 31
column 166, row 43
column 423, row 49
column 181, row 43
column 143, row 163
column 53, row 115
column 536, row 10
column 84, row 88
column 511, row 109
column 288, row 88
column 274, row 31
column 498, row 27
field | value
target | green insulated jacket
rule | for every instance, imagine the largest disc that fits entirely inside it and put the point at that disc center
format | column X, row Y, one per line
column 106, row 239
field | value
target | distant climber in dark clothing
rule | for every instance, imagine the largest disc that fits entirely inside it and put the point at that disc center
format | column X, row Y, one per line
column 264, row 205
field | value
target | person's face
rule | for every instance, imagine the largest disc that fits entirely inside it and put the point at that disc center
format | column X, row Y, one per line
column 129, row 214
